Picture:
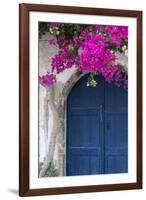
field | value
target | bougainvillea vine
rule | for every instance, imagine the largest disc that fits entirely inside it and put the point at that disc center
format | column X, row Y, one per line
column 90, row 49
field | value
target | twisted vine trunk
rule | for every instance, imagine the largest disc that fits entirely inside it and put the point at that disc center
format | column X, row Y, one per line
column 53, row 107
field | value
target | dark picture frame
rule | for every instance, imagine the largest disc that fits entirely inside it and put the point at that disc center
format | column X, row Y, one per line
column 24, row 83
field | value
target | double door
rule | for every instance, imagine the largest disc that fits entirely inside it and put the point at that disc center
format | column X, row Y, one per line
column 97, row 129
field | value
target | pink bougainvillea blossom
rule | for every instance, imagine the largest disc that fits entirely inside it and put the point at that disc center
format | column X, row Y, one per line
column 48, row 79
column 55, row 26
column 95, row 57
column 117, row 34
column 52, row 41
column 65, row 58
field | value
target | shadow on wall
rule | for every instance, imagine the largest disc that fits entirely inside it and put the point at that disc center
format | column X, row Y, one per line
column 13, row 191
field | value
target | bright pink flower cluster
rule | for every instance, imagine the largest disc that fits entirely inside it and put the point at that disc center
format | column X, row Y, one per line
column 48, row 79
column 52, row 41
column 89, row 52
column 66, row 57
column 55, row 26
column 95, row 57
column 117, row 34
column 94, row 54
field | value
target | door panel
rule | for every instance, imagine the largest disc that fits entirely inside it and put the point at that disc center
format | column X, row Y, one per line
column 85, row 164
column 116, row 129
column 116, row 164
column 82, row 96
column 84, row 129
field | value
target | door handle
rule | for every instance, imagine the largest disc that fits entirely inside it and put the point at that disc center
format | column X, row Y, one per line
column 100, row 112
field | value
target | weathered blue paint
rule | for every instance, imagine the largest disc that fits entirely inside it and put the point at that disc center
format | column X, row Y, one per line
column 97, row 129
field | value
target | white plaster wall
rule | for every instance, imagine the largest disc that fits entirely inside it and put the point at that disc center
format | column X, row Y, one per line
column 45, row 54
column 45, row 115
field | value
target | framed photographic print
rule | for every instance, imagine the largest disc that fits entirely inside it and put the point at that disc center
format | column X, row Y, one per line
column 80, row 99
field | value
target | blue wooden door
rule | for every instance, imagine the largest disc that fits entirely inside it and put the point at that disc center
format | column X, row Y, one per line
column 96, row 129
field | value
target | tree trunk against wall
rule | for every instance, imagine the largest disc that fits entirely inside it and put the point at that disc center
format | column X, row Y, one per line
column 61, row 141
column 55, row 106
